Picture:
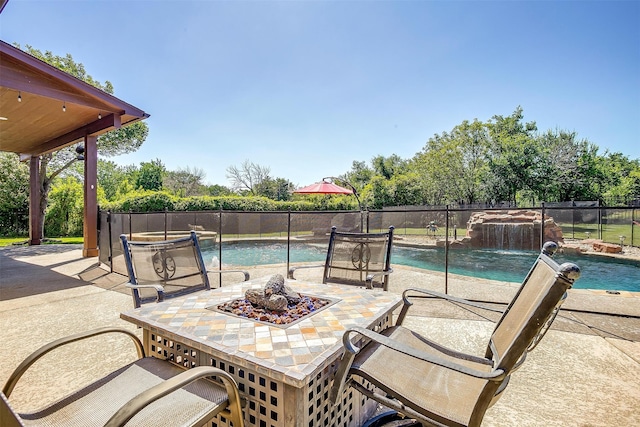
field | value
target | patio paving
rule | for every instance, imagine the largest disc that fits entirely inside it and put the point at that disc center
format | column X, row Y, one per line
column 586, row 372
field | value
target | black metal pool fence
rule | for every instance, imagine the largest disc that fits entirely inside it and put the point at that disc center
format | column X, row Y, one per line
column 442, row 226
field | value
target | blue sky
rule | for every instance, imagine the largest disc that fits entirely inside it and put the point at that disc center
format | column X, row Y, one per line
column 307, row 87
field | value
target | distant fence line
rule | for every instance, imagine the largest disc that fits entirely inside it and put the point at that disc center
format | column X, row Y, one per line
column 612, row 225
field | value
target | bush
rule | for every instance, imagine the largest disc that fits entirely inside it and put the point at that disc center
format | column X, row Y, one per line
column 144, row 201
column 64, row 216
column 147, row 201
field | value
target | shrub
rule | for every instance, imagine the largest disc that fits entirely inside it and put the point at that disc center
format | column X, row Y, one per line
column 64, row 216
column 151, row 201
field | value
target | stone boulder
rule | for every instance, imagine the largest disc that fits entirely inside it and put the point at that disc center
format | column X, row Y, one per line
column 609, row 248
column 276, row 295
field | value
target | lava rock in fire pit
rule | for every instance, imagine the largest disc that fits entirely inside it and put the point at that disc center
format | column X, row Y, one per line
column 275, row 295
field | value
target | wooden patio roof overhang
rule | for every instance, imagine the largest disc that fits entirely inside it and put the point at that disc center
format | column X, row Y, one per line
column 32, row 96
column 43, row 109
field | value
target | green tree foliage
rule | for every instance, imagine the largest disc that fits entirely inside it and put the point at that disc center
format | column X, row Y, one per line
column 359, row 175
column 125, row 140
column 150, row 175
column 276, row 189
column 217, row 190
column 505, row 159
column 453, row 166
column 64, row 215
column 14, row 195
column 110, row 178
column 622, row 178
column 513, row 156
column 567, row 168
column 184, row 182
column 390, row 166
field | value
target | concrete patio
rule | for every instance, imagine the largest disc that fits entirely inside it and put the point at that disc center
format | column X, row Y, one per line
column 586, row 372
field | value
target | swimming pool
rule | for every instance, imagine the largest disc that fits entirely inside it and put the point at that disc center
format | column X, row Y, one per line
column 598, row 272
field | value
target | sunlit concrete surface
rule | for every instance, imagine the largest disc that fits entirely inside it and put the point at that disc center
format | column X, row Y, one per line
column 586, row 372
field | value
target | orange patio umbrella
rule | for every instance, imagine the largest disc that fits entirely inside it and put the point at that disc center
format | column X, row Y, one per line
column 328, row 187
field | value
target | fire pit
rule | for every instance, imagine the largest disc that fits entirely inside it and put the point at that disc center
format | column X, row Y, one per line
column 275, row 304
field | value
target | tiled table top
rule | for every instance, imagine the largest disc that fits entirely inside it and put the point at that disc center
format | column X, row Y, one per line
column 292, row 353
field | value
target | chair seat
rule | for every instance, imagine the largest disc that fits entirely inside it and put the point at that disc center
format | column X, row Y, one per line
column 436, row 392
column 96, row 403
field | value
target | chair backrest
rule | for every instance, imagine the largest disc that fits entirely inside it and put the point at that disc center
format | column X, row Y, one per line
column 351, row 257
column 532, row 310
column 176, row 265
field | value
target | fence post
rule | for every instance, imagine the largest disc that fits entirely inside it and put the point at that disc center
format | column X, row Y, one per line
column 542, row 228
column 289, row 237
column 633, row 221
column 446, row 251
column 573, row 220
column 110, row 242
column 165, row 223
column 367, row 219
column 220, row 246
column 599, row 221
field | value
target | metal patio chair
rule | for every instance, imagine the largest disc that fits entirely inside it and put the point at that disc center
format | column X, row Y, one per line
column 141, row 393
column 168, row 268
column 362, row 259
column 435, row 385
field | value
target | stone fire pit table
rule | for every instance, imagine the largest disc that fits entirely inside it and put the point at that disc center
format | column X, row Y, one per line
column 284, row 372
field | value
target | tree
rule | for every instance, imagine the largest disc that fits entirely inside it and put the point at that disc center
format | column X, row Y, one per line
column 110, row 177
column 389, row 166
column 124, row 140
column 14, row 195
column 359, row 175
column 275, row 189
column 247, row 177
column 379, row 193
column 64, row 216
column 150, row 175
column 567, row 168
column 514, row 154
column 184, row 182
column 453, row 166
column 217, row 190
column 623, row 178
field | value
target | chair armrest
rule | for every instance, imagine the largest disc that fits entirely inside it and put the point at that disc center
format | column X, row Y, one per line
column 135, row 405
column 158, row 288
column 370, row 277
column 293, row 269
column 33, row 357
column 8, row 415
column 433, row 294
column 350, row 350
column 246, row 273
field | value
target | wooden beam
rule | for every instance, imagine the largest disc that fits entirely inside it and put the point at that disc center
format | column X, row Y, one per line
column 35, row 227
column 90, row 229
column 106, row 122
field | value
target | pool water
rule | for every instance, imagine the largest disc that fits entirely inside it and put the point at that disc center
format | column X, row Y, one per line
column 598, row 272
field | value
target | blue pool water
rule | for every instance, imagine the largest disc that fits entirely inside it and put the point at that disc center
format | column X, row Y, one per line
column 510, row 266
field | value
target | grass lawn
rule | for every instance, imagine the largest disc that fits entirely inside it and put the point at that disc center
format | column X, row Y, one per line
column 7, row 241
